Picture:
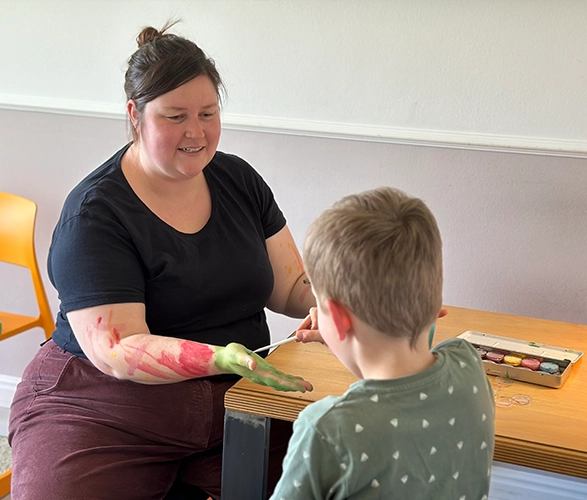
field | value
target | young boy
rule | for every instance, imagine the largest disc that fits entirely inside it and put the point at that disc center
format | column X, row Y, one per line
column 419, row 424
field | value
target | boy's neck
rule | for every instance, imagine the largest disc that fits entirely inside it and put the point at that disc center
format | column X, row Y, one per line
column 381, row 357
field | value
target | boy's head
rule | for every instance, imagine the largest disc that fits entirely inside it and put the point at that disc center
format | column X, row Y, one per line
column 379, row 253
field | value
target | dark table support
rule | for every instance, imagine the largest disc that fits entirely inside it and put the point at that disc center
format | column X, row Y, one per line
column 245, row 456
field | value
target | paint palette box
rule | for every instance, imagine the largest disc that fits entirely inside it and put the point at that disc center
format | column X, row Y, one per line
column 521, row 360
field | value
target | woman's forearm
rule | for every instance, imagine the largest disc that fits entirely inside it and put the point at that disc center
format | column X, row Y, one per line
column 116, row 339
column 162, row 360
column 153, row 359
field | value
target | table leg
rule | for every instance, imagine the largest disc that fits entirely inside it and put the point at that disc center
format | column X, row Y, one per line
column 245, row 456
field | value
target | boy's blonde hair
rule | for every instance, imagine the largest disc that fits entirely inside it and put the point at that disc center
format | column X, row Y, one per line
column 379, row 253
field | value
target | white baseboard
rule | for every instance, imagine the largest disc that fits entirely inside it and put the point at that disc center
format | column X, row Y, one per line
column 7, row 389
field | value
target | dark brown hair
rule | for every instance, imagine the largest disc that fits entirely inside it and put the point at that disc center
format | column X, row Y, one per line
column 162, row 63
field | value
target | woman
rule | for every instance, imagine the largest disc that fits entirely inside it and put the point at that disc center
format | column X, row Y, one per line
column 164, row 259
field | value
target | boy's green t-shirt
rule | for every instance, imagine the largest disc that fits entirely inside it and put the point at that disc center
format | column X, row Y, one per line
column 425, row 436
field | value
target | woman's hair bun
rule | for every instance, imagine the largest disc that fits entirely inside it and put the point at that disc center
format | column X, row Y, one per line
column 150, row 34
column 147, row 35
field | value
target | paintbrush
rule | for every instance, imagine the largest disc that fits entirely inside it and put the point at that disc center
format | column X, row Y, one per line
column 275, row 344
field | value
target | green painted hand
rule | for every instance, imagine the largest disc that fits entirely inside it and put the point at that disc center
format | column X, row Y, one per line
column 236, row 358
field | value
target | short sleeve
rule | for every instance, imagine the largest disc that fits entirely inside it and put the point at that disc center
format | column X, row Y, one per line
column 92, row 262
column 272, row 216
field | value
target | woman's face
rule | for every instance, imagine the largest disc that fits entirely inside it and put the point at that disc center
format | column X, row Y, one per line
column 178, row 132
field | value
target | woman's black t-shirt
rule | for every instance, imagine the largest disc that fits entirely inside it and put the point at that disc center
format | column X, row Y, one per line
column 210, row 287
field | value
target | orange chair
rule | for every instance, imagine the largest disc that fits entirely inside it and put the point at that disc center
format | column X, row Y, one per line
column 17, row 246
column 5, row 483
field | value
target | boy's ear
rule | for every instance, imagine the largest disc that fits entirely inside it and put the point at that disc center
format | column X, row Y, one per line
column 341, row 317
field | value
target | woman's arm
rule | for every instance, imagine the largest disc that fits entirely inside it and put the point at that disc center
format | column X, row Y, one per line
column 292, row 293
column 116, row 339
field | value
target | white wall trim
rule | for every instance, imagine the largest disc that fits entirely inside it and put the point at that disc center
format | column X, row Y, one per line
column 7, row 389
column 72, row 107
column 417, row 137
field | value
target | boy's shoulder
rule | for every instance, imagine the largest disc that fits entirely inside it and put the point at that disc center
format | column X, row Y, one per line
column 457, row 347
column 320, row 409
column 462, row 360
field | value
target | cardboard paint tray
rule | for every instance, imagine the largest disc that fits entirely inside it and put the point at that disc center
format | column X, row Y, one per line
column 554, row 358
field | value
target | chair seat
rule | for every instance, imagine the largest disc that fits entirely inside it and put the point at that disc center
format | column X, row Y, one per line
column 5, row 483
column 16, row 323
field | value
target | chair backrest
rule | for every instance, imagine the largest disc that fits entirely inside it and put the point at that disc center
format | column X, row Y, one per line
column 17, row 246
column 17, row 228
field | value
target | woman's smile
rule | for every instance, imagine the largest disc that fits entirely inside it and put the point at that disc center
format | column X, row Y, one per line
column 192, row 150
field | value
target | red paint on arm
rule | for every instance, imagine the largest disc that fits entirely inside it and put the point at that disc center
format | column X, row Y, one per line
column 136, row 362
column 193, row 361
column 195, row 358
column 114, row 331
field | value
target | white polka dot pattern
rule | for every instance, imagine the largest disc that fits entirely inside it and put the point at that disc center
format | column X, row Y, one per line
column 445, row 431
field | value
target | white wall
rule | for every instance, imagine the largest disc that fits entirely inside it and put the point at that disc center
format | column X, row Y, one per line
column 498, row 73
column 514, row 225
column 399, row 78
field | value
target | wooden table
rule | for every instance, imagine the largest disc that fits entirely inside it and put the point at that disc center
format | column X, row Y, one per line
column 549, row 434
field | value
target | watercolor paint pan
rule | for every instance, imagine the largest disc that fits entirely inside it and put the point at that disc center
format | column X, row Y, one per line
column 508, row 348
